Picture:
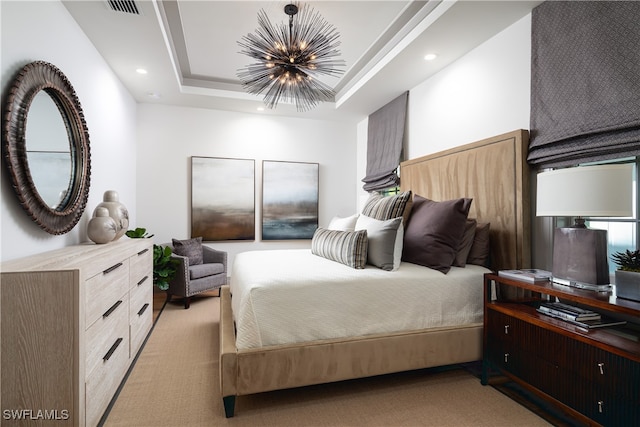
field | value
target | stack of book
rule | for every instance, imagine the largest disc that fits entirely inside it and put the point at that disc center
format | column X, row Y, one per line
column 578, row 316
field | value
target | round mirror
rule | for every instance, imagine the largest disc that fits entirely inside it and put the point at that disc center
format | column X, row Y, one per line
column 45, row 146
column 48, row 152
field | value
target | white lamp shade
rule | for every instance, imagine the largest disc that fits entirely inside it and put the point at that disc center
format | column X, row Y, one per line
column 586, row 191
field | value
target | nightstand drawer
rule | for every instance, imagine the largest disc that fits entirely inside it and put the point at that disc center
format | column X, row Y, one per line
column 601, row 368
column 502, row 328
column 598, row 403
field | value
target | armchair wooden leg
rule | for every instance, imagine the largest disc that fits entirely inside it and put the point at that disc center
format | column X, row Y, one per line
column 187, row 302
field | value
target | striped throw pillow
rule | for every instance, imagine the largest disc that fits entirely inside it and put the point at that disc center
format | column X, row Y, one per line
column 346, row 247
column 389, row 207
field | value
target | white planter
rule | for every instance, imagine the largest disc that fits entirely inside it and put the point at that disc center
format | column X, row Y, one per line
column 628, row 285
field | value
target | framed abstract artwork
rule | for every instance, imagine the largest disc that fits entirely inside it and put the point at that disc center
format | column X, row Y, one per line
column 222, row 199
column 289, row 200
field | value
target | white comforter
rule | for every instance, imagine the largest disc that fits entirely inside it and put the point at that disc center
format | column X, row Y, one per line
column 292, row 296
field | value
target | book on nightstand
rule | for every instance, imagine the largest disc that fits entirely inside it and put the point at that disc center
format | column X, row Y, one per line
column 587, row 324
column 569, row 312
column 529, row 275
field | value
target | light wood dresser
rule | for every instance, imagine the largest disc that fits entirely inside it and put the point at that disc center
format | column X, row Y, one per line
column 72, row 322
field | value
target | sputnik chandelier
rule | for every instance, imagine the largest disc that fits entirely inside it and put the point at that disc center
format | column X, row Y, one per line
column 290, row 59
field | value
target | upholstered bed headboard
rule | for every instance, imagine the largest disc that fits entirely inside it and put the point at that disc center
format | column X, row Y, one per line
column 494, row 172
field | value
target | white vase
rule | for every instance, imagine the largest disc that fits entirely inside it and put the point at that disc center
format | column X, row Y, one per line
column 117, row 211
column 101, row 228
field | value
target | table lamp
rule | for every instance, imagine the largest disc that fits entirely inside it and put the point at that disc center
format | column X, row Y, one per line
column 580, row 253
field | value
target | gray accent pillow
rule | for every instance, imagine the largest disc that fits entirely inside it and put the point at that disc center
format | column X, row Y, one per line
column 481, row 248
column 388, row 207
column 346, row 247
column 191, row 248
column 433, row 234
column 382, row 236
column 465, row 243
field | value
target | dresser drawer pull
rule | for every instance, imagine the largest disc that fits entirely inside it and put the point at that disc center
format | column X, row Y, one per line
column 110, row 269
column 143, row 251
column 601, row 366
column 506, row 329
column 112, row 349
column 144, row 279
column 143, row 309
column 112, row 309
column 600, row 406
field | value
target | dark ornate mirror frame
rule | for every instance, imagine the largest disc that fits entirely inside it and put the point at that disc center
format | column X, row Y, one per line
column 33, row 78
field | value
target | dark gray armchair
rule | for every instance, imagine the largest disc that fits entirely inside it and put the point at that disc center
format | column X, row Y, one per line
column 194, row 279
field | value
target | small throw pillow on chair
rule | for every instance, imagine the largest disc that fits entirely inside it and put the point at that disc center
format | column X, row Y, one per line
column 191, row 248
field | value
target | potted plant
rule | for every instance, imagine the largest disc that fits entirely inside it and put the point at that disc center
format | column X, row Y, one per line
column 627, row 274
column 164, row 266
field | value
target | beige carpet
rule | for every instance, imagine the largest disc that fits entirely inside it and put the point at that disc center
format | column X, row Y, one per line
column 175, row 383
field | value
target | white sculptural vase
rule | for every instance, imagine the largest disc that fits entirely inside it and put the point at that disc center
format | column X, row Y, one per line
column 117, row 211
column 102, row 228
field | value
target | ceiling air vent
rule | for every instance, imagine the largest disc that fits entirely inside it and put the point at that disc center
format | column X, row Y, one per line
column 126, row 6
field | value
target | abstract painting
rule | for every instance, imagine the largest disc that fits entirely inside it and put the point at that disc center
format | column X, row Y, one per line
column 222, row 199
column 289, row 200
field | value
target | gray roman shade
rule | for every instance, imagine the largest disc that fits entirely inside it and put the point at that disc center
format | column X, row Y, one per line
column 384, row 145
column 585, row 82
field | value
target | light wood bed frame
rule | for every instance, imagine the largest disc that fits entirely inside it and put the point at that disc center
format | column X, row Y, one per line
column 495, row 174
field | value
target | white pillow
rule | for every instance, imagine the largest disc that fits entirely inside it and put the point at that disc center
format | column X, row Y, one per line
column 385, row 241
column 343, row 224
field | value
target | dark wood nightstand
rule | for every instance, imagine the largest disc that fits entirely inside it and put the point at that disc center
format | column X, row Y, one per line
column 592, row 374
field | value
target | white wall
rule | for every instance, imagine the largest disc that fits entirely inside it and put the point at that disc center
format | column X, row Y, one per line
column 46, row 31
column 483, row 94
column 169, row 135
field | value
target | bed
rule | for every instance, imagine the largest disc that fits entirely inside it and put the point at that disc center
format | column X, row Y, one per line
column 261, row 351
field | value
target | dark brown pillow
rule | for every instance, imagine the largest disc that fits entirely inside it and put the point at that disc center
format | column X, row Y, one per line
column 434, row 230
column 465, row 243
column 191, row 249
column 480, row 249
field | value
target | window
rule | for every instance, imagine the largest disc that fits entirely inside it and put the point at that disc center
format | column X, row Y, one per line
column 389, row 191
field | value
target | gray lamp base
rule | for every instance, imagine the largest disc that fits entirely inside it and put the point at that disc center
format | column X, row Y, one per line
column 580, row 258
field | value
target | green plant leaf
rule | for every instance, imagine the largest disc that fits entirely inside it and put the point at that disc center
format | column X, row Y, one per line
column 627, row 260
column 164, row 266
column 138, row 233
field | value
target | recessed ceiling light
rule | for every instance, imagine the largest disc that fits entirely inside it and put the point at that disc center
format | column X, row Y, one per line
column 154, row 95
column 430, row 57
column 260, row 108
column 141, row 71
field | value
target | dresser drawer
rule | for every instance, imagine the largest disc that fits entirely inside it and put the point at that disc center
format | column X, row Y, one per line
column 103, row 382
column 104, row 290
column 140, row 315
column 141, row 267
column 103, row 336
